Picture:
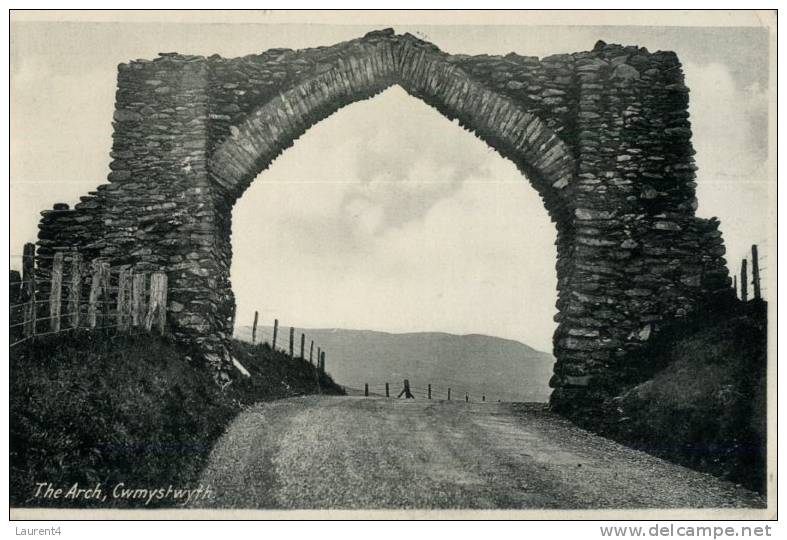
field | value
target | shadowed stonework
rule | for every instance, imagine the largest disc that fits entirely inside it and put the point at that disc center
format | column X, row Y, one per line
column 603, row 136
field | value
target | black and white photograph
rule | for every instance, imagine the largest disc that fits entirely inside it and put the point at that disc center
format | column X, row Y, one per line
column 392, row 265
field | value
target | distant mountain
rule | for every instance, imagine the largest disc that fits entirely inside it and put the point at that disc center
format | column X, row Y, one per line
column 480, row 365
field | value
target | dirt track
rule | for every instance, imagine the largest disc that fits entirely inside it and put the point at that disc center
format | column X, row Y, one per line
column 354, row 452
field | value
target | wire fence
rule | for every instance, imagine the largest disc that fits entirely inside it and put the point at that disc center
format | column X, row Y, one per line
column 69, row 294
column 133, row 332
column 288, row 340
column 63, row 293
column 297, row 344
column 750, row 283
column 439, row 389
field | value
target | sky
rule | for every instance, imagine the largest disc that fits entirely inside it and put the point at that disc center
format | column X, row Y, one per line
column 386, row 215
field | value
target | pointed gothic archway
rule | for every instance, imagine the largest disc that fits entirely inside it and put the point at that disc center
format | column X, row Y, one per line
column 602, row 135
column 505, row 126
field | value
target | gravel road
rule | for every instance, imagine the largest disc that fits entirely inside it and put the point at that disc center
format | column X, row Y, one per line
column 376, row 453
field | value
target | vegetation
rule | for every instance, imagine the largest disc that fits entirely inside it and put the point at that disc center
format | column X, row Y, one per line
column 702, row 401
column 97, row 408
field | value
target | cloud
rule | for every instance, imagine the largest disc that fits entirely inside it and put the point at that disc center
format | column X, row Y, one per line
column 374, row 165
column 388, row 216
column 730, row 121
column 411, row 159
column 62, row 125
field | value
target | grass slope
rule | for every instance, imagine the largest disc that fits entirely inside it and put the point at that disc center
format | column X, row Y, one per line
column 97, row 408
column 704, row 403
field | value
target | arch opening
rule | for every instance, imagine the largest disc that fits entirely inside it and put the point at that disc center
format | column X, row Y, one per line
column 388, row 217
column 520, row 136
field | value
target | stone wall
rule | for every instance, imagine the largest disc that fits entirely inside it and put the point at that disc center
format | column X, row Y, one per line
column 603, row 136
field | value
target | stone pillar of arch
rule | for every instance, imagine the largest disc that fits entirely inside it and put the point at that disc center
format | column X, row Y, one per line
column 603, row 136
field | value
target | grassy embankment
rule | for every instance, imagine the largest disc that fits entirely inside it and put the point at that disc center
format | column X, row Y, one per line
column 101, row 408
column 699, row 398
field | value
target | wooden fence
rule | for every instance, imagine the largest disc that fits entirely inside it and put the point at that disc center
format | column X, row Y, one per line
column 442, row 390
column 79, row 294
column 272, row 338
column 83, row 294
column 757, row 269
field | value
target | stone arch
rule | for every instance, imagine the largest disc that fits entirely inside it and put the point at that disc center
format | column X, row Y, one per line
column 505, row 126
column 603, row 135
column 254, row 142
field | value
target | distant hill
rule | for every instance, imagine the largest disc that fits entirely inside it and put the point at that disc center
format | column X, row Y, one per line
column 481, row 365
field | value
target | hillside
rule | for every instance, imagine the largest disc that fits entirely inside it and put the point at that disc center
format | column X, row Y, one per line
column 96, row 407
column 499, row 368
column 700, row 396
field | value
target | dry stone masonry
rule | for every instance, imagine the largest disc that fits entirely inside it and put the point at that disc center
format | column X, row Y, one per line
column 603, row 136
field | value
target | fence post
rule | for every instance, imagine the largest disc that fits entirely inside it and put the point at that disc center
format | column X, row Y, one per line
column 303, row 345
column 406, row 390
column 317, row 378
column 157, row 307
column 322, row 361
column 387, row 392
column 311, row 350
column 275, row 333
column 29, row 282
column 319, row 356
column 744, row 282
column 104, row 308
column 292, row 342
column 128, row 295
column 449, row 394
column 75, row 289
column 56, row 292
column 755, row 272
column 15, row 297
column 366, row 389
column 429, row 391
column 735, row 285
column 138, row 283
column 15, row 284
column 98, row 286
column 124, row 299
column 254, row 328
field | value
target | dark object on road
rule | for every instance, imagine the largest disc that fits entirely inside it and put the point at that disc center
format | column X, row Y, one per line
column 406, row 391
